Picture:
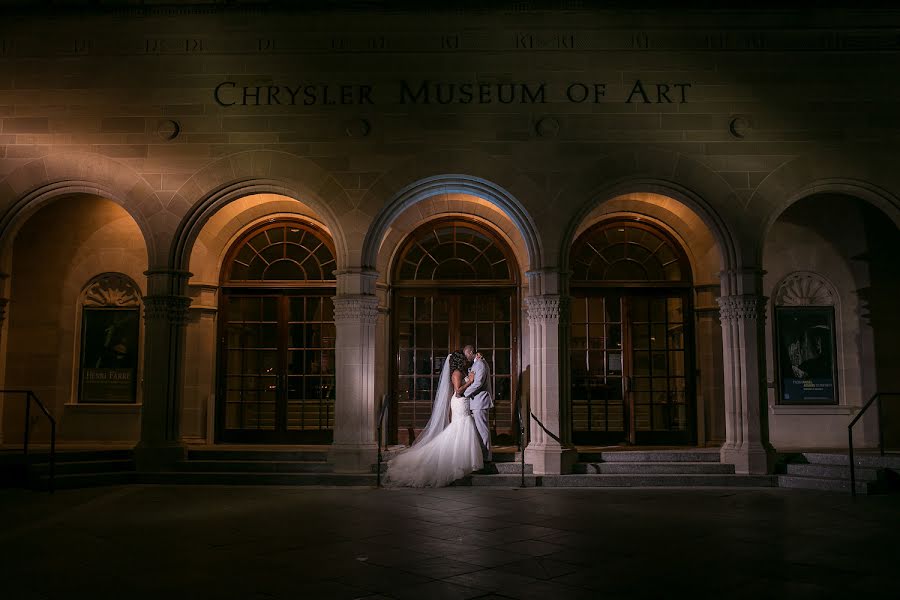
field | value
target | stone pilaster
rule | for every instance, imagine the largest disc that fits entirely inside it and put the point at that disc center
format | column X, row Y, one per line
column 354, row 448
column 165, row 317
column 549, row 448
column 746, row 432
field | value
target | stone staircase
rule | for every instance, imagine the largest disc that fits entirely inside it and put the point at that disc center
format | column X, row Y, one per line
column 73, row 469
column 645, row 468
column 258, row 466
column 830, row 471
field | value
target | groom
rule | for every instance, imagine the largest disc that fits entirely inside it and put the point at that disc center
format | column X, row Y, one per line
column 480, row 400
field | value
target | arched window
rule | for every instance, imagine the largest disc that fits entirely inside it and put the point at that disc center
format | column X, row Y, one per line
column 450, row 252
column 277, row 357
column 630, row 342
column 454, row 283
column 282, row 251
column 627, row 252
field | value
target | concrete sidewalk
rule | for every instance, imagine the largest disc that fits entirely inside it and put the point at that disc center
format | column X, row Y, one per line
column 456, row 543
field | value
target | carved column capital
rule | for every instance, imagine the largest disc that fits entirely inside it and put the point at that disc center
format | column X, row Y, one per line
column 546, row 307
column 357, row 308
column 745, row 306
column 173, row 309
column 3, row 303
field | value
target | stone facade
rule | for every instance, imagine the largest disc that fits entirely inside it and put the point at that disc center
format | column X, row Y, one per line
column 145, row 140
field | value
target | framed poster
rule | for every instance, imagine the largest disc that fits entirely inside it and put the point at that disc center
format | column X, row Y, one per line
column 805, row 350
column 109, row 354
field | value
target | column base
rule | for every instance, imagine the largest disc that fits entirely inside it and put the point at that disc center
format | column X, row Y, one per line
column 158, row 457
column 353, row 458
column 550, row 459
column 749, row 460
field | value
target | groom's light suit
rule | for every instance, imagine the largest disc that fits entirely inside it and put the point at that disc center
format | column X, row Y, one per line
column 480, row 402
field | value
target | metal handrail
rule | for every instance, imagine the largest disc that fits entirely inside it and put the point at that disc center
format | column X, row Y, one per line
column 381, row 412
column 29, row 396
column 521, row 424
column 877, row 396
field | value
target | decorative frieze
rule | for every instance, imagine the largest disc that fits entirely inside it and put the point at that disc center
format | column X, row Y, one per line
column 361, row 308
column 745, row 306
column 546, row 308
column 174, row 309
column 112, row 289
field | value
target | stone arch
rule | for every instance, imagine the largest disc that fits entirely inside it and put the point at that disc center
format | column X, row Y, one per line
column 875, row 182
column 498, row 181
column 450, row 188
column 666, row 174
column 40, row 181
column 264, row 172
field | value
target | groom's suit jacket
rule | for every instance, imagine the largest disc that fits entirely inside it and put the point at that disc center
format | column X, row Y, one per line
column 480, row 393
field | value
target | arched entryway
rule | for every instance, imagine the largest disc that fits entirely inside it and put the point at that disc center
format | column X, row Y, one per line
column 454, row 282
column 631, row 344
column 276, row 345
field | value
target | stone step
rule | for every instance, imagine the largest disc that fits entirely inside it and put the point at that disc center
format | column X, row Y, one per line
column 646, row 468
column 258, row 454
column 889, row 461
column 827, row 484
column 230, row 478
column 658, row 480
column 43, row 456
column 82, row 480
column 831, row 471
column 659, row 456
column 495, row 468
column 84, row 467
column 254, row 466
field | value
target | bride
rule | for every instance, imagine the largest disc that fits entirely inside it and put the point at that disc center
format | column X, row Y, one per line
column 446, row 449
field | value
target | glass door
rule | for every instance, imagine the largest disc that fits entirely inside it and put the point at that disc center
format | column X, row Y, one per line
column 429, row 325
column 630, row 363
column 277, row 366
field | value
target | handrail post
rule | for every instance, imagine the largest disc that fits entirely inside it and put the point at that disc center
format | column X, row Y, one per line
column 880, row 426
column 52, row 456
column 27, row 421
column 522, row 444
column 852, row 465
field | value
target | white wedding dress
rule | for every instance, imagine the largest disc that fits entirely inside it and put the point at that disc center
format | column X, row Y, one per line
column 445, row 451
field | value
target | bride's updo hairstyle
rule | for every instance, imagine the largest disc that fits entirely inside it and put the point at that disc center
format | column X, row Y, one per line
column 458, row 362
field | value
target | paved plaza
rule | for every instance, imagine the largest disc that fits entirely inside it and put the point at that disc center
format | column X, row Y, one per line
column 455, row 543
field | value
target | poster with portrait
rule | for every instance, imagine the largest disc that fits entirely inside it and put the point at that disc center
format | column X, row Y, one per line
column 806, row 357
column 109, row 354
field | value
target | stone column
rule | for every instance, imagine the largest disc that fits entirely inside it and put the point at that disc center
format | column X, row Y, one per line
column 3, row 355
column 165, row 316
column 549, row 448
column 746, row 429
column 355, row 316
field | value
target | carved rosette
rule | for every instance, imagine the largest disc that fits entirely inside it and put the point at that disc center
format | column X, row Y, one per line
column 356, row 309
column 805, row 289
column 546, row 308
column 174, row 309
column 741, row 307
column 112, row 289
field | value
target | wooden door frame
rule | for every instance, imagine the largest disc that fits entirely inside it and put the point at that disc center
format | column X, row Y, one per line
column 630, row 435
column 455, row 292
column 280, row 435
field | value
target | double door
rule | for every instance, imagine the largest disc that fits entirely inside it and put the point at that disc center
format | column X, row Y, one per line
column 631, row 367
column 430, row 324
column 276, row 366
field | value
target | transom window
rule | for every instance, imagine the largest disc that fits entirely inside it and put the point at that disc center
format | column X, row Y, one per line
column 626, row 251
column 452, row 251
column 282, row 251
